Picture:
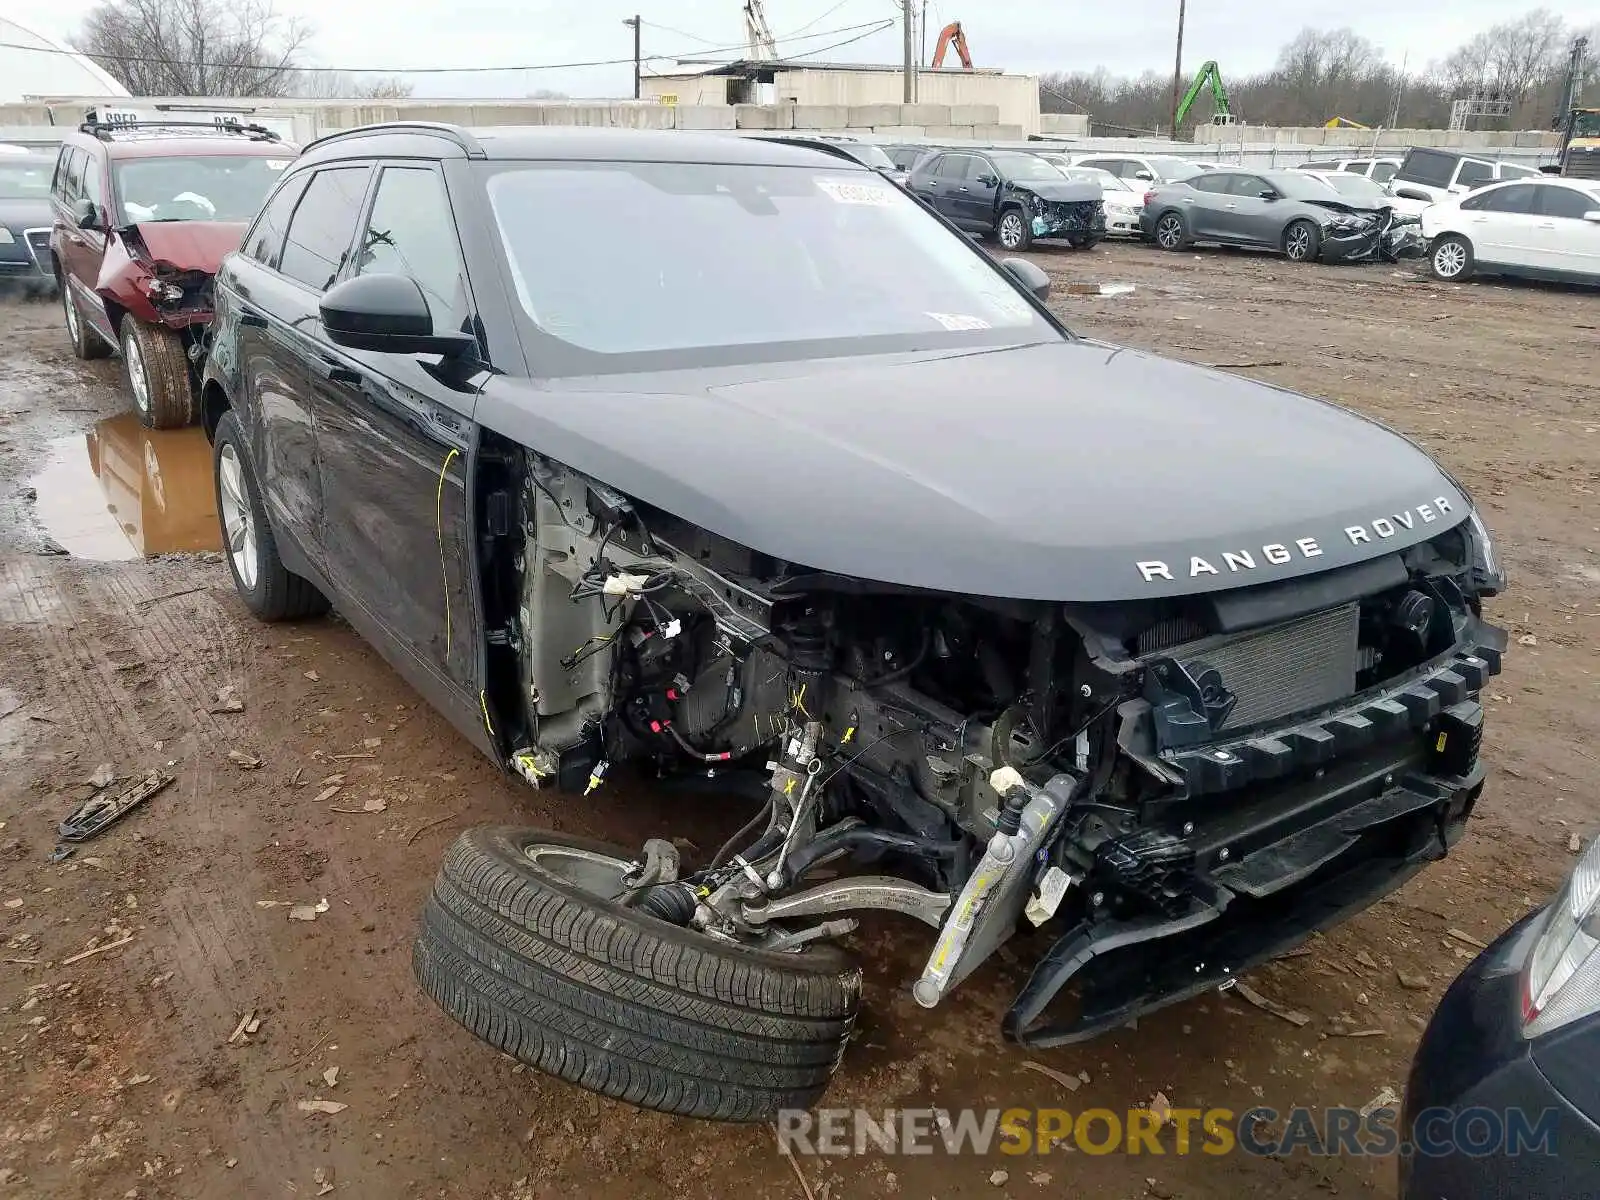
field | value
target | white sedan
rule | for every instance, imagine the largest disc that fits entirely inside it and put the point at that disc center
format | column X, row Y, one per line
column 1538, row 228
column 1123, row 199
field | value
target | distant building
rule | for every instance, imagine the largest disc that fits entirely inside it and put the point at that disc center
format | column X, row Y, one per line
column 776, row 81
column 47, row 69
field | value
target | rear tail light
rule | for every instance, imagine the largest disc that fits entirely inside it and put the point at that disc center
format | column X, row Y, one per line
column 1562, row 982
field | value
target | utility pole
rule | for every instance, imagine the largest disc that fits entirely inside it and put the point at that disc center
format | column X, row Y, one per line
column 1399, row 94
column 1177, row 73
column 910, row 63
column 634, row 21
column 922, row 28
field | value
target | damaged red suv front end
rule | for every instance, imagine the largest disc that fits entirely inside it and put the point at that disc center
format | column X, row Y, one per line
column 144, row 214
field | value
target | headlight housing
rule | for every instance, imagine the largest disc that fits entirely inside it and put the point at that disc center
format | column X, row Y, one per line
column 1487, row 576
column 1562, row 979
column 6, row 237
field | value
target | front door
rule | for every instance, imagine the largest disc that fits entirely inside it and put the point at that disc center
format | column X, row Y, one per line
column 976, row 199
column 1500, row 224
column 1247, row 214
column 394, row 442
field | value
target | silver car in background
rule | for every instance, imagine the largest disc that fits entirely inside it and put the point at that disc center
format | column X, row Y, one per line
column 1294, row 213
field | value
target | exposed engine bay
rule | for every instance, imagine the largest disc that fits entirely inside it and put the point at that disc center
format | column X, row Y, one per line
column 1171, row 788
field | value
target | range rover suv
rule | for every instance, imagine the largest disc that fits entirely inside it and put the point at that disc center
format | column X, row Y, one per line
column 729, row 460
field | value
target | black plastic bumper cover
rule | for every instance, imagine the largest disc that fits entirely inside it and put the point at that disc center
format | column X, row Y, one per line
column 1244, row 911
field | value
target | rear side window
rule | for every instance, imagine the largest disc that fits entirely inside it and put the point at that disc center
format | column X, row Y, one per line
column 1211, row 183
column 323, row 225
column 1432, row 168
column 956, row 166
column 264, row 242
column 1383, row 172
column 1565, row 202
column 1358, row 166
column 412, row 232
column 1474, row 173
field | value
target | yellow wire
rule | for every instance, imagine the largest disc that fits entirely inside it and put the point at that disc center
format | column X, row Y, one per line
column 444, row 571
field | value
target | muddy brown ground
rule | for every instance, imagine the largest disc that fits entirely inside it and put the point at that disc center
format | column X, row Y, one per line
column 117, row 1073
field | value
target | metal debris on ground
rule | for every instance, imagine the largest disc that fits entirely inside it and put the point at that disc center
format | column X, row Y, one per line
column 1387, row 1098
column 308, row 912
column 313, row 676
column 1291, row 1015
column 1071, row 1082
column 321, row 1106
column 227, row 701
column 104, row 776
column 323, row 1178
column 331, row 1076
column 61, row 854
column 1462, row 935
column 244, row 760
column 94, row 816
column 243, row 1027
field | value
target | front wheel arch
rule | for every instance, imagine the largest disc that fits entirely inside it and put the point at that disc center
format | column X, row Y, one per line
column 214, row 403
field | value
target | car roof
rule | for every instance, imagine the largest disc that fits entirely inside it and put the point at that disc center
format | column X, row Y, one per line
column 172, row 142
column 511, row 143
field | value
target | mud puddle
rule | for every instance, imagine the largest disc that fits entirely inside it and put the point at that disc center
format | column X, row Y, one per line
column 122, row 491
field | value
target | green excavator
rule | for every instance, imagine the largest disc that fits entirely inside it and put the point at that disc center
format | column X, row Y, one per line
column 1221, row 113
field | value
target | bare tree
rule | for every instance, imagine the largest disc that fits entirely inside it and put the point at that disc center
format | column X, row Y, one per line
column 195, row 47
column 1320, row 74
column 346, row 85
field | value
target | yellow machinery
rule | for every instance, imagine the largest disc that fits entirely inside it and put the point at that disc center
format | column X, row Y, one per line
column 1343, row 123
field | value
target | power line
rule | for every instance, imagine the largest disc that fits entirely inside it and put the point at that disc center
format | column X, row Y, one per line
column 815, row 20
column 870, row 28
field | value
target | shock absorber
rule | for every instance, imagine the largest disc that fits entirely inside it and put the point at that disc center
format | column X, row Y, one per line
column 810, row 662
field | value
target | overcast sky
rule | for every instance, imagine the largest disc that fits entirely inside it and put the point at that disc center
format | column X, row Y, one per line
column 1030, row 36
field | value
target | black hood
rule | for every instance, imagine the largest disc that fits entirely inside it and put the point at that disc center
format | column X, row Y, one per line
column 25, row 214
column 1062, row 191
column 1058, row 471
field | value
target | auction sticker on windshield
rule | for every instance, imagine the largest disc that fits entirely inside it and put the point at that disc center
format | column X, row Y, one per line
column 843, row 192
column 277, row 164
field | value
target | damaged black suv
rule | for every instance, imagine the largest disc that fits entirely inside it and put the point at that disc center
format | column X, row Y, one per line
column 726, row 458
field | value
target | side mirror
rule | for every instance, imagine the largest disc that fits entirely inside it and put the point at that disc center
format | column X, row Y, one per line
column 387, row 314
column 85, row 213
column 1267, row 194
column 988, row 180
column 1592, row 215
column 1147, row 176
column 1406, row 193
column 1030, row 276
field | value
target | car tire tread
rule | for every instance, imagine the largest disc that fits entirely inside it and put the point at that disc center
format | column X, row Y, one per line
column 86, row 343
column 173, row 399
column 620, row 1003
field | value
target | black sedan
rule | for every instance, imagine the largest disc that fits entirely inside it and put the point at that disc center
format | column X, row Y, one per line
column 25, row 220
column 1504, row 1094
column 1011, row 196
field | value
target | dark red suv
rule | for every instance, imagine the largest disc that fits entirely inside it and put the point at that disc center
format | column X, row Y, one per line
column 143, row 214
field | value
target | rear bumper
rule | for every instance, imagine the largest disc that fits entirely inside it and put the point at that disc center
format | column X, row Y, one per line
column 1473, row 1059
column 1293, row 830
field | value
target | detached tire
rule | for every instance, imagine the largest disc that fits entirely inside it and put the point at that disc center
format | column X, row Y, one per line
column 521, row 946
column 268, row 588
column 158, row 373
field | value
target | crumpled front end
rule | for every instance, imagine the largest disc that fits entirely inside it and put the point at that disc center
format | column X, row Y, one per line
column 1290, row 773
column 1066, row 218
column 1354, row 235
column 156, row 289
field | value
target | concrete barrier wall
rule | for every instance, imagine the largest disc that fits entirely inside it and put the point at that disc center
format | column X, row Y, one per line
column 43, row 124
column 1366, row 140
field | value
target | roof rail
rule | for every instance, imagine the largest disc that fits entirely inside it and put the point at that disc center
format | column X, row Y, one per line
column 104, row 130
column 454, row 133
